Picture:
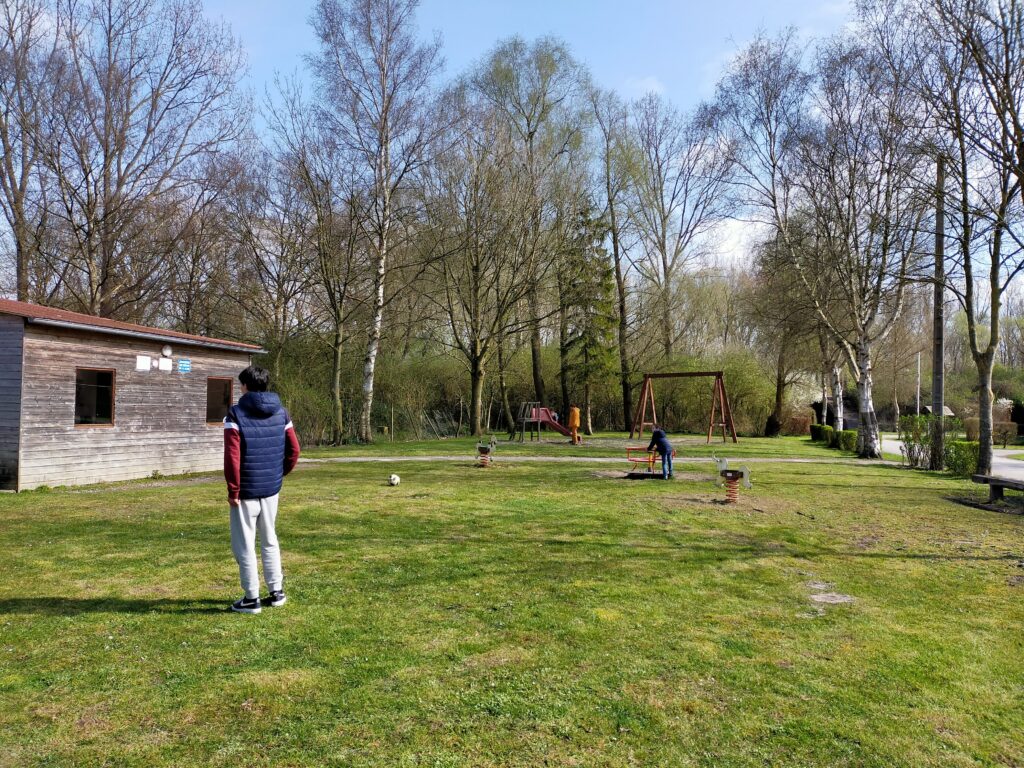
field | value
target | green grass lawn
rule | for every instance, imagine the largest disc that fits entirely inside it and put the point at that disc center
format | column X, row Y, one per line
column 609, row 444
column 523, row 615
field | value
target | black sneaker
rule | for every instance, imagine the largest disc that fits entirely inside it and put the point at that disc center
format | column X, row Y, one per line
column 275, row 599
column 246, row 605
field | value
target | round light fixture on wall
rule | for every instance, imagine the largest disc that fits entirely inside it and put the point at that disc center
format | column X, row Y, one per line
column 166, row 351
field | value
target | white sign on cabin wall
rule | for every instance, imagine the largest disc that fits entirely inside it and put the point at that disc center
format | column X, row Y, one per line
column 166, row 364
column 143, row 362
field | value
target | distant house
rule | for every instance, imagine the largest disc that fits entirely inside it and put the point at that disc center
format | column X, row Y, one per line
column 84, row 399
column 851, row 412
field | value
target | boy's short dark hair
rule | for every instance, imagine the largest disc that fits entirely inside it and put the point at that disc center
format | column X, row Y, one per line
column 256, row 379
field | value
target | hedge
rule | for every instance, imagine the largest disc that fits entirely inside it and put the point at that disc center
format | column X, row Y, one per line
column 962, row 457
column 816, row 432
column 1002, row 431
column 826, row 435
column 848, row 440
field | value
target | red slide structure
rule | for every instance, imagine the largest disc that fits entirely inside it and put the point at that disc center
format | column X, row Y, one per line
column 546, row 418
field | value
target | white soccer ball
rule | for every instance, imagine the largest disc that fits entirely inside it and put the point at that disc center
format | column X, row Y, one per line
column 394, row 480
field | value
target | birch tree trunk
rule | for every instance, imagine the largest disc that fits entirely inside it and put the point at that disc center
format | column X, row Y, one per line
column 379, row 77
column 837, row 398
column 373, row 345
column 588, row 420
column 824, row 398
column 869, row 443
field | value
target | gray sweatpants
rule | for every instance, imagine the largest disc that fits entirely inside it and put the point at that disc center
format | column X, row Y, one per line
column 248, row 518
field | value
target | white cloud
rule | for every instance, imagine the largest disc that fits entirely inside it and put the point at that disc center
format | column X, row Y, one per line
column 734, row 240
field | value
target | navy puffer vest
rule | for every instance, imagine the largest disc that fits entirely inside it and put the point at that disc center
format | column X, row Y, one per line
column 659, row 442
column 261, row 421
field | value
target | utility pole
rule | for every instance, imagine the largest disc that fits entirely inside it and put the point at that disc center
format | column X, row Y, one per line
column 937, row 459
column 918, row 412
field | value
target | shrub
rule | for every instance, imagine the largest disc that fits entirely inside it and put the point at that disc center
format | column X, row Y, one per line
column 915, row 434
column 816, row 432
column 795, row 424
column 848, row 440
column 826, row 435
column 971, row 428
column 1002, row 431
column 962, row 457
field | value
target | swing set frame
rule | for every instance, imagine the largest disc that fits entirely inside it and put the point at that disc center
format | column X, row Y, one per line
column 719, row 404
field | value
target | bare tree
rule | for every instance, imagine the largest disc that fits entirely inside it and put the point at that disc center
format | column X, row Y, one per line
column 335, row 207
column 539, row 90
column 144, row 97
column 839, row 188
column 27, row 58
column 862, row 168
column 478, row 210
column 786, row 324
column 200, row 290
column 611, row 118
column 969, row 56
column 273, row 252
column 970, row 59
column 376, row 77
column 679, row 196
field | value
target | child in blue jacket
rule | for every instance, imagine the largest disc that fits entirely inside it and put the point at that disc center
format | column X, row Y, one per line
column 659, row 442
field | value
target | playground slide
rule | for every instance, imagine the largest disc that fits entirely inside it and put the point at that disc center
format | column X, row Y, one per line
column 545, row 417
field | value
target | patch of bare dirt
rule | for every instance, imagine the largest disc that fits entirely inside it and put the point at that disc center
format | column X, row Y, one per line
column 820, row 586
column 163, row 483
column 498, row 657
column 823, row 595
column 867, row 542
column 689, row 477
column 831, row 598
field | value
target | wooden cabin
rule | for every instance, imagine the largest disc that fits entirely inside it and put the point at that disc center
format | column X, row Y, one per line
column 85, row 399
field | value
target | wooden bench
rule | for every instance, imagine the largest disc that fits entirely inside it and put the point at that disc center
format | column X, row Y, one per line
column 996, row 485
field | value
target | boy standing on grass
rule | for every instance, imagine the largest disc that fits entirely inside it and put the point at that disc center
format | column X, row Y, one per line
column 260, row 448
column 659, row 442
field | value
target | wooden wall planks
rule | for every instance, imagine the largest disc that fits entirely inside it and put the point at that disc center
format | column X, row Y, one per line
column 159, row 416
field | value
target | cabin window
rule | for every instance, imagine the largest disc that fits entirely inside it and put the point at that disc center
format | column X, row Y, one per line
column 218, row 399
column 94, row 396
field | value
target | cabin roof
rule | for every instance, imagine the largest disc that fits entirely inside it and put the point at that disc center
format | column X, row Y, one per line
column 37, row 314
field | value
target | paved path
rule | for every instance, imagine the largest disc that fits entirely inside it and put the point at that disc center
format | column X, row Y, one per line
column 1001, row 465
column 582, row 459
column 618, row 459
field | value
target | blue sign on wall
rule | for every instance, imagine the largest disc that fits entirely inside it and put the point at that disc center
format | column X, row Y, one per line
column 184, row 366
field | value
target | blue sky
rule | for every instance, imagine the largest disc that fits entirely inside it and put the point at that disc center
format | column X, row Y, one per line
column 677, row 48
